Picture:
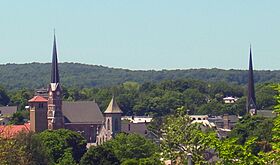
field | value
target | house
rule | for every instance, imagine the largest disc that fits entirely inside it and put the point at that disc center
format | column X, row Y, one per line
column 136, row 124
column 230, row 100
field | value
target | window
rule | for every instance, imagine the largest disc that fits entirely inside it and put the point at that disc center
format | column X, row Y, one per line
column 108, row 124
column 41, row 105
column 116, row 125
column 128, row 127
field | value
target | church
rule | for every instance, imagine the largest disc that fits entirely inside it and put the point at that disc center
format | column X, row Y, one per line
column 49, row 112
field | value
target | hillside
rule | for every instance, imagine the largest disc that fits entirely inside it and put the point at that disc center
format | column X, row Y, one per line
column 36, row 75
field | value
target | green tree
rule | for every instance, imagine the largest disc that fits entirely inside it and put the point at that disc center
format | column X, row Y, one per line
column 131, row 146
column 4, row 98
column 181, row 137
column 33, row 148
column 57, row 142
column 20, row 117
column 66, row 159
column 253, row 126
column 99, row 155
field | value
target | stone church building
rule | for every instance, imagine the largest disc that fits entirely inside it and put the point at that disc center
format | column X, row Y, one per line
column 48, row 111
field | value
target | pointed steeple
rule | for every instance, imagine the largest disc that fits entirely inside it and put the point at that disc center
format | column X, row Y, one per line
column 251, row 99
column 54, row 74
column 113, row 107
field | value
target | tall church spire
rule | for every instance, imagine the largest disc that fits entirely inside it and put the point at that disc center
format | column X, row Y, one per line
column 54, row 74
column 251, row 99
column 55, row 116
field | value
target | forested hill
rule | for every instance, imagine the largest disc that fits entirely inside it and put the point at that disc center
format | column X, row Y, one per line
column 36, row 75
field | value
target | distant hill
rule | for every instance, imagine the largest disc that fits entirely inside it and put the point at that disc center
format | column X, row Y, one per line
column 36, row 75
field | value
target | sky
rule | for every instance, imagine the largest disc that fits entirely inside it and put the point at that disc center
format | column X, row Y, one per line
column 143, row 34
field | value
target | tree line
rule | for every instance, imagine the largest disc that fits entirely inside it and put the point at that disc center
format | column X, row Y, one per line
column 37, row 75
column 159, row 98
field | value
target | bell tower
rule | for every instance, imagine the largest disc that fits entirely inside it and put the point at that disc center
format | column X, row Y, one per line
column 55, row 116
column 112, row 117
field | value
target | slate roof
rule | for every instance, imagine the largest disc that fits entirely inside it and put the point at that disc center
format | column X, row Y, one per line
column 113, row 107
column 8, row 110
column 86, row 112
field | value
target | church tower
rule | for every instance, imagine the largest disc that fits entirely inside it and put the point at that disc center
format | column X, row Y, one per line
column 38, row 113
column 55, row 116
column 251, row 105
column 112, row 117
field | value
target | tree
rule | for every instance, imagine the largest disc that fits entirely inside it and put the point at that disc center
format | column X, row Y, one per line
column 11, row 153
column 33, row 148
column 4, row 98
column 131, row 146
column 253, row 126
column 20, row 117
column 67, row 158
column 99, row 155
column 57, row 142
column 181, row 137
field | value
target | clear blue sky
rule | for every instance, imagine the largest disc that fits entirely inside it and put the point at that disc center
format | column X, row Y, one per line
column 143, row 34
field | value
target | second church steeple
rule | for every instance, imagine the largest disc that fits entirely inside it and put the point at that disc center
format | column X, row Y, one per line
column 251, row 105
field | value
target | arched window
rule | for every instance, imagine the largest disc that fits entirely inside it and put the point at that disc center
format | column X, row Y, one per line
column 108, row 124
column 116, row 125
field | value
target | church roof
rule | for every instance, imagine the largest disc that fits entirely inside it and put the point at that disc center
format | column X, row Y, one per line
column 82, row 112
column 113, row 107
column 38, row 99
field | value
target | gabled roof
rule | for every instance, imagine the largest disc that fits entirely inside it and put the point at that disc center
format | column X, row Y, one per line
column 37, row 99
column 113, row 107
column 86, row 112
column 8, row 110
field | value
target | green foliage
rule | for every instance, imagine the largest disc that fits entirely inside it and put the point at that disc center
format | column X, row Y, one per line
column 24, row 148
column 20, row 98
column 253, row 126
column 131, row 146
column 180, row 138
column 232, row 153
column 59, row 141
column 4, row 98
column 19, row 117
column 34, row 149
column 130, row 162
column 99, row 155
column 99, row 76
column 66, row 159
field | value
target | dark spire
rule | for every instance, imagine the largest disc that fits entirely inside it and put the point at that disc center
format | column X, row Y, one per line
column 54, row 75
column 251, row 99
